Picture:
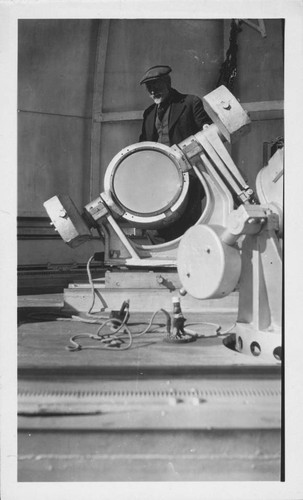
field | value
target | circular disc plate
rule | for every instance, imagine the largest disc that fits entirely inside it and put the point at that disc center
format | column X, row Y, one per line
column 207, row 267
column 147, row 182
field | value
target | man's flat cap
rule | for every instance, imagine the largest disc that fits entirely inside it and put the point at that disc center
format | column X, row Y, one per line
column 155, row 72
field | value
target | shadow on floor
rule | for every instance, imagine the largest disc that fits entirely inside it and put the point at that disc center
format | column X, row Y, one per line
column 40, row 314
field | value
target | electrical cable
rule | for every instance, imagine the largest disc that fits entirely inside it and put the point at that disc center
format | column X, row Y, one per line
column 93, row 291
column 218, row 331
column 91, row 283
column 110, row 340
column 84, row 320
column 114, row 340
column 150, row 323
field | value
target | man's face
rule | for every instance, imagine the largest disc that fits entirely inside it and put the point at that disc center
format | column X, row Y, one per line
column 158, row 90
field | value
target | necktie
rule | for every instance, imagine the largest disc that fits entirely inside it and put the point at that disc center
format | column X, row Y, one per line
column 161, row 112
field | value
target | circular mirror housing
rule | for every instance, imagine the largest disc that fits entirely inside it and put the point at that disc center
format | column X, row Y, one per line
column 148, row 184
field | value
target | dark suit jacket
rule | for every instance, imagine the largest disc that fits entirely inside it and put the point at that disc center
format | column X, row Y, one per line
column 186, row 117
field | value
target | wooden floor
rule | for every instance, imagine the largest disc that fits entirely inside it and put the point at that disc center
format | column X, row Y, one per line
column 156, row 412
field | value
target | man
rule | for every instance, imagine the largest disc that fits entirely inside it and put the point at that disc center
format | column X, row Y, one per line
column 172, row 118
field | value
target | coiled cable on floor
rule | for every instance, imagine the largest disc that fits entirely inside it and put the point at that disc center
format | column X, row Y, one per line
column 110, row 340
column 188, row 331
column 114, row 340
column 218, row 329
